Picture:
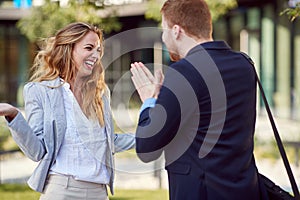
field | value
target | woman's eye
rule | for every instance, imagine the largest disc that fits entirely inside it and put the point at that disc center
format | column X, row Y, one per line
column 89, row 48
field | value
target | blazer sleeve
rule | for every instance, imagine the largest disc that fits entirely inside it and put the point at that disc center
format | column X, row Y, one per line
column 122, row 141
column 29, row 134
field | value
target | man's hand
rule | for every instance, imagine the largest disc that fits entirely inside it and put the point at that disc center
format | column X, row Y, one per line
column 8, row 111
column 147, row 85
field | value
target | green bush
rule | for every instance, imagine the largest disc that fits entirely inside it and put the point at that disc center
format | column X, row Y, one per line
column 4, row 134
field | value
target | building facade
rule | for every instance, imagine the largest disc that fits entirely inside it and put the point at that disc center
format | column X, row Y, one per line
column 273, row 41
column 255, row 27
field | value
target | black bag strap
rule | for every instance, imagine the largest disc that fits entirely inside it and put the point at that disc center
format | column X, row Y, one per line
column 276, row 134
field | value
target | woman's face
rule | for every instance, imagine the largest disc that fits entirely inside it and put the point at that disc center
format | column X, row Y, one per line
column 86, row 53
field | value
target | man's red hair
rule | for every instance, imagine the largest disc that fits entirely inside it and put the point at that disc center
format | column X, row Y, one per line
column 192, row 15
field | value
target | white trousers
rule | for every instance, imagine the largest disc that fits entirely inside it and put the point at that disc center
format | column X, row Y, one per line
column 67, row 188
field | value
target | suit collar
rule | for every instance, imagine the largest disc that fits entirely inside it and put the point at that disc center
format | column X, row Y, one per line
column 214, row 45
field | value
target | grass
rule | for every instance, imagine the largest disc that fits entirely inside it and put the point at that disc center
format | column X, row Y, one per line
column 17, row 192
column 266, row 150
column 140, row 195
column 23, row 192
column 269, row 150
column 4, row 134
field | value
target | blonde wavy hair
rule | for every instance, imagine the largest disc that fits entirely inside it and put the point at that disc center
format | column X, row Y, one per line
column 55, row 60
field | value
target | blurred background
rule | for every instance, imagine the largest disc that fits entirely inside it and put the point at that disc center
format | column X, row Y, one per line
column 269, row 31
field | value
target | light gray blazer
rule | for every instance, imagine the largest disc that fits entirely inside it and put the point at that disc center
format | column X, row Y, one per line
column 41, row 135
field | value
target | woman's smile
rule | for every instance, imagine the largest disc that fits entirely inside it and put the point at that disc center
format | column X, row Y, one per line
column 90, row 64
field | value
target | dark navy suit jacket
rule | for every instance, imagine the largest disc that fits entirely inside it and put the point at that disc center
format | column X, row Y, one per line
column 203, row 121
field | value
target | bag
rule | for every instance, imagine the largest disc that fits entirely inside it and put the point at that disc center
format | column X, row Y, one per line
column 274, row 191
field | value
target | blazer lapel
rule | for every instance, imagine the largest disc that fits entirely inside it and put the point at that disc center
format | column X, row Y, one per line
column 107, row 120
column 56, row 106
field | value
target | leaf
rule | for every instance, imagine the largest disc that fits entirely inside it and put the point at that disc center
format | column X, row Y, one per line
column 45, row 20
column 218, row 8
column 292, row 13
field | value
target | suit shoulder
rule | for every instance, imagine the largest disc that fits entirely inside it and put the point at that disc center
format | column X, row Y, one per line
column 180, row 65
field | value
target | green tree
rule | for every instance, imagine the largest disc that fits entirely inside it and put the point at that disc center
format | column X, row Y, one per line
column 218, row 8
column 45, row 20
column 221, row 7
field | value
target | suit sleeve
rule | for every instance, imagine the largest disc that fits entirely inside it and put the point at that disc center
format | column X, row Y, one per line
column 157, row 126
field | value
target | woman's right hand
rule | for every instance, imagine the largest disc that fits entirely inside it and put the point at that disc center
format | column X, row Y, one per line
column 9, row 111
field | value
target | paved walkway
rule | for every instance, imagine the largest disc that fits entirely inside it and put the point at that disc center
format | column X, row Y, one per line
column 131, row 173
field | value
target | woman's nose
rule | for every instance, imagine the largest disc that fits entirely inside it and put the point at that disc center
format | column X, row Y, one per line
column 96, row 54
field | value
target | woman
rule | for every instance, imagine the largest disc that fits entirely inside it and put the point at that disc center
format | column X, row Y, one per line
column 69, row 127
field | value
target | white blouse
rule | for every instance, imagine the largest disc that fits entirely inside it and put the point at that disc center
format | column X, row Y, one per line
column 74, row 157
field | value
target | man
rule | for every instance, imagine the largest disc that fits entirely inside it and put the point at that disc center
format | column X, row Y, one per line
column 203, row 117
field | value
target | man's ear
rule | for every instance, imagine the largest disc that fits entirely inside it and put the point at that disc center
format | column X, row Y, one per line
column 176, row 31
